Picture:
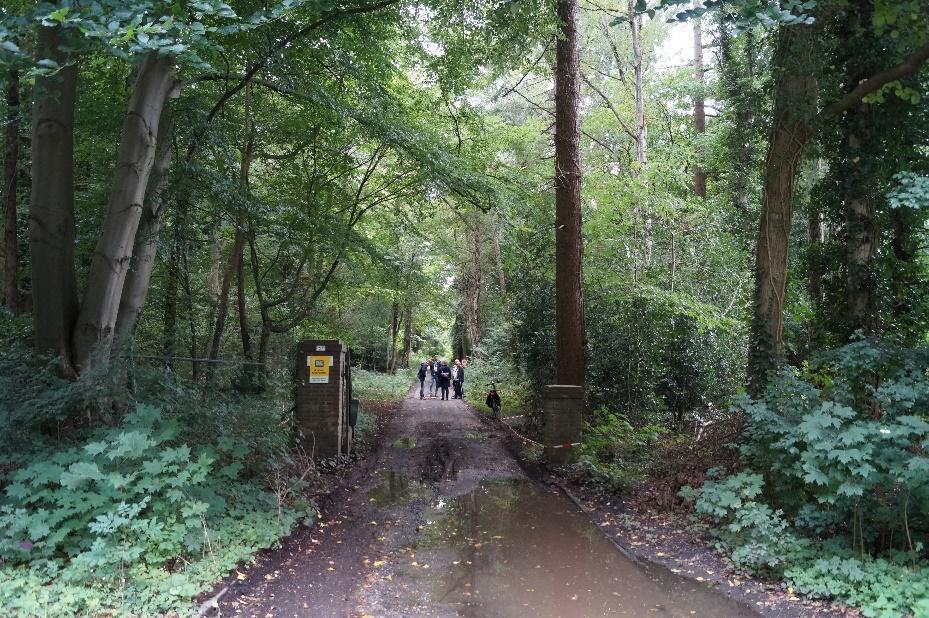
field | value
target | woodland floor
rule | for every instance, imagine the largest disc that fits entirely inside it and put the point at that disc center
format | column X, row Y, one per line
column 442, row 520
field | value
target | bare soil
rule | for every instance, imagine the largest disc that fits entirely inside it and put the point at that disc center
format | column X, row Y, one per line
column 442, row 520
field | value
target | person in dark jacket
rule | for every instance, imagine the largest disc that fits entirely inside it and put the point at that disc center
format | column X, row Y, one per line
column 423, row 370
column 458, row 374
column 445, row 379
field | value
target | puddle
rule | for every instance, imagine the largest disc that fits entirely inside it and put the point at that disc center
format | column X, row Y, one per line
column 396, row 489
column 406, row 443
column 512, row 549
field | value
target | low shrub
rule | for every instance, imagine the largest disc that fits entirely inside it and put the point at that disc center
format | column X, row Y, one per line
column 133, row 519
column 615, row 455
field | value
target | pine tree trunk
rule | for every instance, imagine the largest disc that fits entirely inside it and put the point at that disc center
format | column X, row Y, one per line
column 138, row 279
column 795, row 95
column 96, row 321
column 51, row 211
column 699, row 103
column 569, row 291
column 11, row 295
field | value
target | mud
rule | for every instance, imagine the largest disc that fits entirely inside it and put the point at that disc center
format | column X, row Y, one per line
column 442, row 521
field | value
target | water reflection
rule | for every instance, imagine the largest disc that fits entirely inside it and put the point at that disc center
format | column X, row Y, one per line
column 396, row 488
column 511, row 549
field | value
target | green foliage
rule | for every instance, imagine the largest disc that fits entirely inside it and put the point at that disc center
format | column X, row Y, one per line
column 132, row 520
column 911, row 191
column 660, row 357
column 850, row 434
column 492, row 362
column 381, row 386
column 759, row 539
column 756, row 537
column 614, row 454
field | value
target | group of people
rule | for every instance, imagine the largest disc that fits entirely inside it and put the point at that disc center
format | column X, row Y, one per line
column 441, row 377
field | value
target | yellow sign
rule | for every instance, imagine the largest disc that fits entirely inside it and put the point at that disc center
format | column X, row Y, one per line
column 319, row 368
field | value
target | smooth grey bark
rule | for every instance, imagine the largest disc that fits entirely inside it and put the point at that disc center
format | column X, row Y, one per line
column 51, row 206
column 11, row 295
column 93, row 333
column 699, row 103
column 641, row 134
column 135, row 289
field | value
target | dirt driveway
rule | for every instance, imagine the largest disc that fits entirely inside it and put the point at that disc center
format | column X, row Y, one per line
column 443, row 522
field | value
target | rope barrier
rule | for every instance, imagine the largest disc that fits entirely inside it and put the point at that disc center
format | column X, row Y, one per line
column 529, row 440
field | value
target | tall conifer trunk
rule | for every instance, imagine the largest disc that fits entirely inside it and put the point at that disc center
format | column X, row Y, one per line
column 569, row 291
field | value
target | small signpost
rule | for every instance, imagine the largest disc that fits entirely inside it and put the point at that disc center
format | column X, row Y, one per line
column 323, row 410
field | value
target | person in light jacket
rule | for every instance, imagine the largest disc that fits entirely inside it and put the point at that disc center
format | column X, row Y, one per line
column 458, row 374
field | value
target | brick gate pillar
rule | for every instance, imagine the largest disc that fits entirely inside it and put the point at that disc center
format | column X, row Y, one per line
column 322, row 397
column 562, row 409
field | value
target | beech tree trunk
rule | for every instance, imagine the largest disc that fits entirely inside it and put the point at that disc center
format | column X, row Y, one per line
column 51, row 210
column 498, row 259
column 569, row 290
column 699, row 103
column 635, row 26
column 96, row 321
column 816, row 237
column 794, row 100
column 243, row 310
column 138, row 279
column 11, row 295
column 473, row 282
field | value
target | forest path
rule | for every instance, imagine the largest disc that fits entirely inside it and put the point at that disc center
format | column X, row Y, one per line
column 443, row 522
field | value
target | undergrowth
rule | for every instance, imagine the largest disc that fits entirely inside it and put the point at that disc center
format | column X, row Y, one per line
column 130, row 491
column 834, row 497
column 378, row 386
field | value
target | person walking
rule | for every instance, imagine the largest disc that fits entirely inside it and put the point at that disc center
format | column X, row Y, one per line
column 459, row 381
column 433, row 377
column 455, row 367
column 423, row 370
column 445, row 378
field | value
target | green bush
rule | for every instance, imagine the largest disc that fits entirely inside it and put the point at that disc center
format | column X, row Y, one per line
column 614, row 454
column 757, row 537
column 132, row 519
column 835, row 498
column 843, row 442
column 493, row 362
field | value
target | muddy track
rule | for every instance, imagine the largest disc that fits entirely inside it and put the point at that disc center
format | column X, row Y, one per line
column 442, row 521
